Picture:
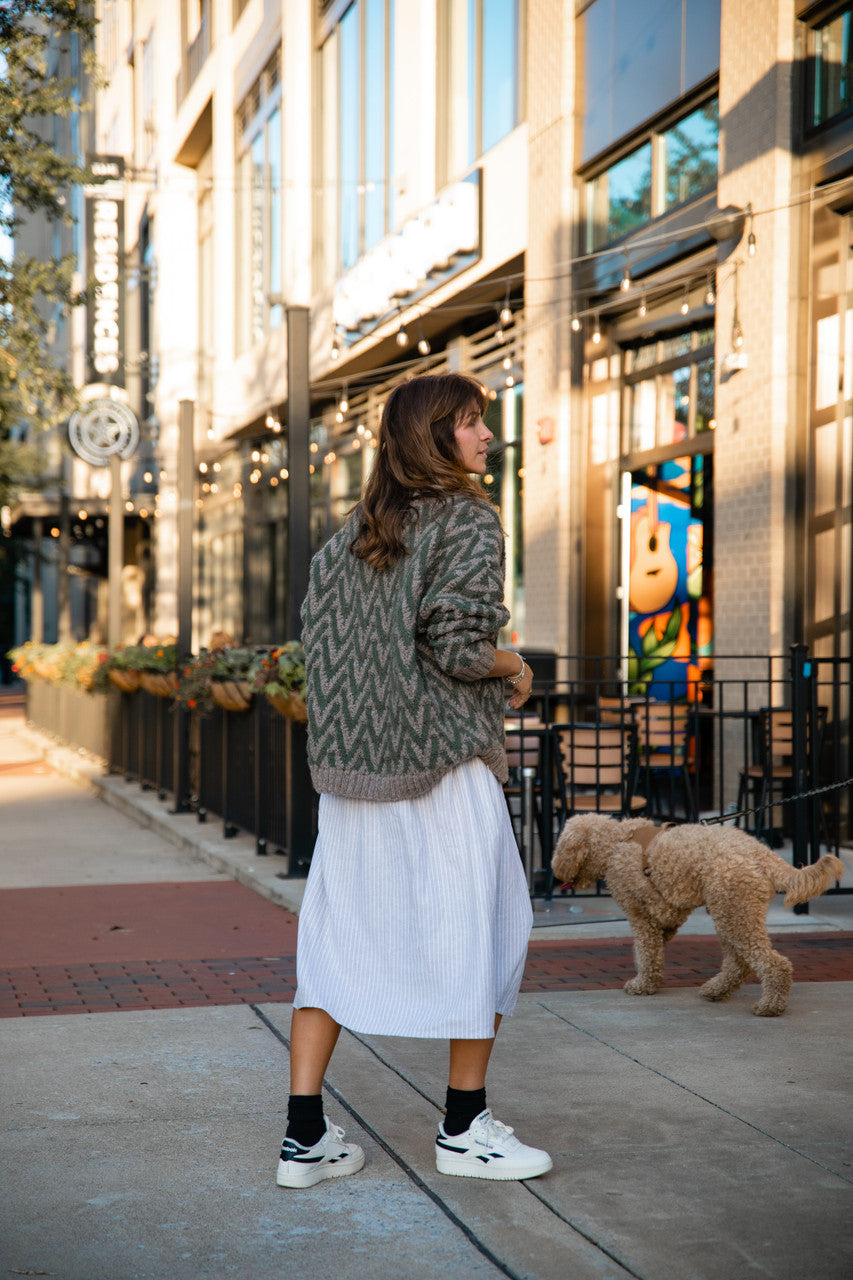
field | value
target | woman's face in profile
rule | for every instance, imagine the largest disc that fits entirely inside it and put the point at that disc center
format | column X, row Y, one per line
column 472, row 439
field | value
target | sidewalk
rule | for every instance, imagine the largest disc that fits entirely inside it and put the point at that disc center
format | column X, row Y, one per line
column 690, row 1141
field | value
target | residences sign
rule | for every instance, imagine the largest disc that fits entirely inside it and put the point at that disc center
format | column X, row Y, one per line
column 105, row 272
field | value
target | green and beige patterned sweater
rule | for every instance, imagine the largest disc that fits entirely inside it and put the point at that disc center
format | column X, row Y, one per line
column 395, row 659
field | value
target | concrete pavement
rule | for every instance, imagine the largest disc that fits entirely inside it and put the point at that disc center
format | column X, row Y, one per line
column 690, row 1141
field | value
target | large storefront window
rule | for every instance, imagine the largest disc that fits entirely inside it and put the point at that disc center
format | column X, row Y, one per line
column 480, row 56
column 259, row 209
column 356, row 143
column 667, row 512
column 669, row 168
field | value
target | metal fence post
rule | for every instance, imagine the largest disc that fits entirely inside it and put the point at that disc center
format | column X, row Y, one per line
column 802, row 732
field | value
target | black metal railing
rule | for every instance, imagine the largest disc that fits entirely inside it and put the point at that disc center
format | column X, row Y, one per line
column 693, row 750
column 695, row 753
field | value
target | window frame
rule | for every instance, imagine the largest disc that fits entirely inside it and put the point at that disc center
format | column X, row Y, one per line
column 652, row 135
column 693, row 441
column 252, row 121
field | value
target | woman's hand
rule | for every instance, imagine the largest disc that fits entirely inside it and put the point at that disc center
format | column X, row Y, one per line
column 521, row 691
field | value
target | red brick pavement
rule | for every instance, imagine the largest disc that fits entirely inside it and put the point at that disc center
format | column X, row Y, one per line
column 52, row 963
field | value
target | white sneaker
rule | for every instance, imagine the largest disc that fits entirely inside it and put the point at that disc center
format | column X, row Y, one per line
column 488, row 1149
column 331, row 1157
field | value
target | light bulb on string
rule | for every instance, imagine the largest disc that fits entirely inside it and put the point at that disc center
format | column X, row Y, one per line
column 576, row 323
column 642, row 309
column 402, row 338
column 737, row 332
column 507, row 362
column 625, row 282
column 750, row 239
column 685, row 302
column 596, row 330
column 344, row 402
column 335, row 352
column 710, row 291
column 423, row 343
column 505, row 315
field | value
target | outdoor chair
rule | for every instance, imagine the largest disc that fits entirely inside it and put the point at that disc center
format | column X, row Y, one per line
column 597, row 769
column 770, row 776
column 663, row 743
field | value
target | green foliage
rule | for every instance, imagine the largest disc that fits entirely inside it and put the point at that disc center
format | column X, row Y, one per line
column 34, row 179
column 279, row 672
column 80, row 666
column 143, row 657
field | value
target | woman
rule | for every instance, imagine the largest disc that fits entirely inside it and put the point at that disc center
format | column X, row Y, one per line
column 416, row 914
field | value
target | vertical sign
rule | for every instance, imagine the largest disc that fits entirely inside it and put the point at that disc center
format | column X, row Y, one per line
column 105, row 271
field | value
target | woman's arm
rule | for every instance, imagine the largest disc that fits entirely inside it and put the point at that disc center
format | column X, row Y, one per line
column 509, row 664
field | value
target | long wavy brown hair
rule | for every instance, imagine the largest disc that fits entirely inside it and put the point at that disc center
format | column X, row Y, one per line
column 416, row 458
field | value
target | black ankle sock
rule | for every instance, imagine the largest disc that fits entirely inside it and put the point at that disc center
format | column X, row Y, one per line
column 305, row 1122
column 463, row 1106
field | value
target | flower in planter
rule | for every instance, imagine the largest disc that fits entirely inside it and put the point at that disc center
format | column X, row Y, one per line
column 279, row 674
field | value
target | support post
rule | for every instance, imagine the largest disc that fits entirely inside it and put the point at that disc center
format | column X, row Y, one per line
column 186, row 484
column 115, row 552
column 299, row 793
column 63, row 584
column 37, row 596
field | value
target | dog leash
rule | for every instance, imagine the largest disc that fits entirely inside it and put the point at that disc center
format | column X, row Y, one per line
column 772, row 804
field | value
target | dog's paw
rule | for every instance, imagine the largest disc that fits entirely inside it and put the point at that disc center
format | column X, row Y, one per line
column 640, row 987
column 769, row 1008
column 714, row 989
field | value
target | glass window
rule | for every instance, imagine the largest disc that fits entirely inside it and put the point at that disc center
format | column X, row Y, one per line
column 348, row 131
column 480, row 49
column 634, row 60
column 654, row 178
column 499, row 76
column 833, row 68
column 259, row 214
column 620, row 199
column 690, row 155
column 666, row 404
column 355, row 146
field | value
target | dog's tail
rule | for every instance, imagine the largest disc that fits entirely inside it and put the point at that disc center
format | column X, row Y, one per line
column 802, row 883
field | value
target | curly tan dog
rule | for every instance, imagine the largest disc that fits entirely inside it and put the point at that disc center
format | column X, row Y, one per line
column 659, row 875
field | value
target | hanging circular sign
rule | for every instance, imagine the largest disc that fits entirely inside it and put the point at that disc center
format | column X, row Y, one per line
column 101, row 428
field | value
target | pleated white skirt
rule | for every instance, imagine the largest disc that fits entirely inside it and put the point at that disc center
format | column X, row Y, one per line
column 416, row 913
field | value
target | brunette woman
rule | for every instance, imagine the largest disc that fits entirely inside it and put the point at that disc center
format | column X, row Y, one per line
column 416, row 914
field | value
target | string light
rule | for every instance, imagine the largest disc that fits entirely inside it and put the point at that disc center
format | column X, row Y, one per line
column 576, row 323
column 335, row 353
column 344, row 402
column 202, row 466
column 423, row 343
column 507, row 362
column 750, row 239
column 402, row 338
column 685, row 302
column 505, row 315
column 710, row 291
column 642, row 308
column 625, row 282
column 596, row 330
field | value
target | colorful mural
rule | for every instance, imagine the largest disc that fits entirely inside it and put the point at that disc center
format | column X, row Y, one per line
column 670, row 628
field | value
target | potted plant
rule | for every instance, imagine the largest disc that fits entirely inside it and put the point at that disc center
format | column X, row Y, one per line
column 157, row 663
column 229, row 678
column 279, row 675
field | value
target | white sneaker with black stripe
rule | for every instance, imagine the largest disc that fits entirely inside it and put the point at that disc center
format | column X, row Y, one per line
column 331, row 1157
column 488, row 1149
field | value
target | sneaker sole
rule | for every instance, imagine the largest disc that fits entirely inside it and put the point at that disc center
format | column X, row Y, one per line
column 468, row 1169
column 311, row 1177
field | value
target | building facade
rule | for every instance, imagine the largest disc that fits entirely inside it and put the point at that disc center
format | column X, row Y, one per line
column 631, row 221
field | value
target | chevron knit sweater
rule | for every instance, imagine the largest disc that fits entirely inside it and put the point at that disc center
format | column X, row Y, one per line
column 395, row 659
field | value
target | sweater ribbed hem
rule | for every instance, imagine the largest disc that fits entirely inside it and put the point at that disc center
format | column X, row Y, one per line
column 386, row 788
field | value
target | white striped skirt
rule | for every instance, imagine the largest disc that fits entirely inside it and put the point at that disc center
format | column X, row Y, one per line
column 416, row 915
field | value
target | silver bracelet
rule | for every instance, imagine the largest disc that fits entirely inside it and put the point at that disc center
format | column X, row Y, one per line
column 517, row 679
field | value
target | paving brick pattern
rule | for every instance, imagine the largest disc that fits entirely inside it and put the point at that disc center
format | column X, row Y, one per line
column 30, row 991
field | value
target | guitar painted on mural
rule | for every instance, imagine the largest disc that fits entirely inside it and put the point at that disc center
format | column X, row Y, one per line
column 653, row 574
